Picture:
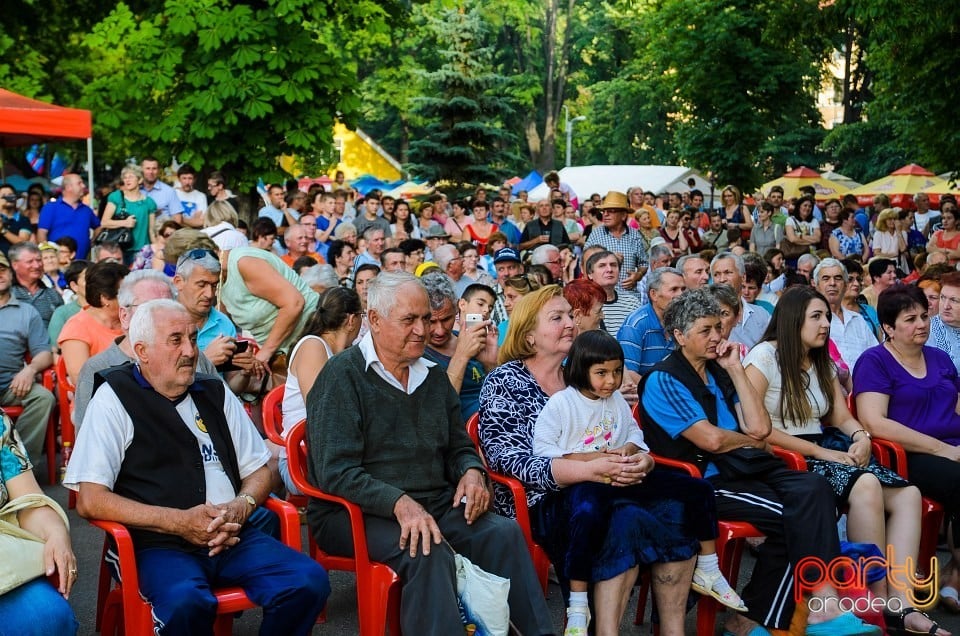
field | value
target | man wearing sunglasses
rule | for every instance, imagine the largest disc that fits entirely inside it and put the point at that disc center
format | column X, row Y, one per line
column 197, row 280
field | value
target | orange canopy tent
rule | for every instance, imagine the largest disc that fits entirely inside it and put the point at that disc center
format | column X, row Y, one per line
column 25, row 121
column 900, row 185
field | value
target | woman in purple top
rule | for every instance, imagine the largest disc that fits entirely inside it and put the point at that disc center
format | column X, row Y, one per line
column 907, row 392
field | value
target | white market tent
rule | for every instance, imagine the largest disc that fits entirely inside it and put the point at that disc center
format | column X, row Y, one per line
column 585, row 180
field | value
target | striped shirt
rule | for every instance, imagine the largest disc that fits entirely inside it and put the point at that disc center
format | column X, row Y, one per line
column 616, row 311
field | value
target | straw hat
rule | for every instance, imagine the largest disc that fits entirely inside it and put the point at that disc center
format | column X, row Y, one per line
column 615, row 201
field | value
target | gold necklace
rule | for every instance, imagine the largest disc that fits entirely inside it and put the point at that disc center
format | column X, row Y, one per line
column 902, row 360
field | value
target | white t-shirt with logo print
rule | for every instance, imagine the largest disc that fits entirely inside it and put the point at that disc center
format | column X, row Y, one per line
column 107, row 432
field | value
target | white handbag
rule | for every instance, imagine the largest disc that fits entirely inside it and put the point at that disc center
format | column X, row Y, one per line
column 483, row 598
column 20, row 551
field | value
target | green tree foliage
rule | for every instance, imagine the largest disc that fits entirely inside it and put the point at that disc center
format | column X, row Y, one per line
column 865, row 150
column 741, row 73
column 465, row 106
column 917, row 63
column 628, row 121
column 228, row 84
column 41, row 54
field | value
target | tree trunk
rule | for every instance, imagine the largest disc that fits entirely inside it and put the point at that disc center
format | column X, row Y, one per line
column 550, row 98
column 532, row 136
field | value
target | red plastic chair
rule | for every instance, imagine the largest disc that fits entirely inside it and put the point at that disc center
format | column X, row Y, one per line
column 730, row 542
column 50, row 438
column 66, row 394
column 271, row 410
column 121, row 609
column 892, row 455
column 378, row 586
column 541, row 562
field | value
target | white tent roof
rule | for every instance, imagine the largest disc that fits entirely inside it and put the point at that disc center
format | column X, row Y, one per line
column 585, row 180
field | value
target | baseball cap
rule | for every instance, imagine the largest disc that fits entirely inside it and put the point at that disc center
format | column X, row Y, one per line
column 3, row 261
column 506, row 255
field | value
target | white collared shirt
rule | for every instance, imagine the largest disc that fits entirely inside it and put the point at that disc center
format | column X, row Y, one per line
column 852, row 336
column 418, row 368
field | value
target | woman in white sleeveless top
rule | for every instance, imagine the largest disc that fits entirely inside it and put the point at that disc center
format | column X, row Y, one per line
column 333, row 327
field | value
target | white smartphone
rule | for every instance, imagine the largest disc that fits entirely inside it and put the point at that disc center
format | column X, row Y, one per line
column 473, row 320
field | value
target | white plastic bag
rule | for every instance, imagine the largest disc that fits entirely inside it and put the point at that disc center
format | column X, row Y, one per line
column 483, row 597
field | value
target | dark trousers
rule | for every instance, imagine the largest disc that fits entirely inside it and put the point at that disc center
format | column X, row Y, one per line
column 429, row 600
column 797, row 513
column 290, row 587
column 678, row 502
column 939, row 479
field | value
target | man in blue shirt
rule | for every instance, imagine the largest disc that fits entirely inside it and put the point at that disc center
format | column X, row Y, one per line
column 169, row 206
column 274, row 209
column 498, row 216
column 69, row 216
column 644, row 341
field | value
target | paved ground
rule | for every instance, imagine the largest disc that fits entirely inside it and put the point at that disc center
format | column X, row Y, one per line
column 342, row 616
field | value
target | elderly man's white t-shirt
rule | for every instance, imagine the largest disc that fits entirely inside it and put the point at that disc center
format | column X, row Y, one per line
column 107, row 432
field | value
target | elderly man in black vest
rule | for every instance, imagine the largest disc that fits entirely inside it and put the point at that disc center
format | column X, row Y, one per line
column 173, row 456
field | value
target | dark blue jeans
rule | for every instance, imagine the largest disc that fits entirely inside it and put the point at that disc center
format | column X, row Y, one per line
column 291, row 587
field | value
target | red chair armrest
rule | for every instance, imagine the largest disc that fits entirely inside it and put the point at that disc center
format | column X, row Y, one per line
column 126, row 559
column 297, row 458
column 289, row 521
column 676, row 464
column 48, row 380
column 792, row 459
column 519, row 494
column 890, row 454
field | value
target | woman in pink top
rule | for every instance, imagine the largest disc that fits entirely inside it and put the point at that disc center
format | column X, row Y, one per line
column 94, row 329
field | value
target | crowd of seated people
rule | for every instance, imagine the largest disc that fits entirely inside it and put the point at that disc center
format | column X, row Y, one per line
column 745, row 327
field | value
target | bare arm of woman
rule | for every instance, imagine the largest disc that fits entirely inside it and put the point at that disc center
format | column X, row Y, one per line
column 790, row 232
column 157, row 262
column 75, row 353
column 933, row 245
column 308, row 363
column 841, row 417
column 747, row 218
column 265, row 282
column 815, row 237
column 109, row 222
column 785, row 440
column 151, row 228
column 872, row 411
column 43, row 522
column 751, row 414
column 835, row 248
